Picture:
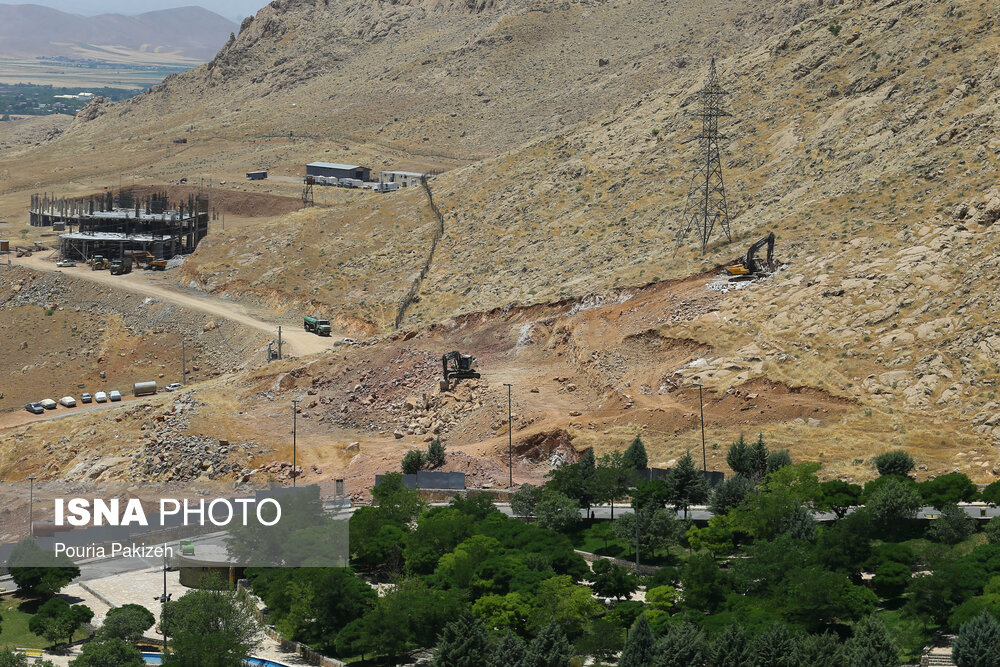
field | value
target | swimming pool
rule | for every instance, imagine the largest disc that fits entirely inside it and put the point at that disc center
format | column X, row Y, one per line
column 157, row 659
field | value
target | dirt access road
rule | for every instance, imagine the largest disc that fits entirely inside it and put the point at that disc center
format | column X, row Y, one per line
column 295, row 340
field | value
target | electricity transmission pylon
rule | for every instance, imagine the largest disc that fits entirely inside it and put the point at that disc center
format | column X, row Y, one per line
column 706, row 200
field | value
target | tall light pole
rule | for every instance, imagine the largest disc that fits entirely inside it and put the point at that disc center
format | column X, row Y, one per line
column 164, row 599
column 510, row 439
column 295, row 410
column 31, row 506
column 183, row 363
column 701, row 405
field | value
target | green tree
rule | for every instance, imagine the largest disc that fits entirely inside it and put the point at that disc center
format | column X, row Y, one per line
column 871, row 645
column 748, row 460
column 377, row 540
column 463, row 643
column 839, row 496
column 509, row 652
column 639, row 649
column 895, row 462
column 635, row 456
column 730, row 648
column 211, row 628
column 56, row 620
column 413, row 462
column 778, row 459
column 658, row 529
column 731, row 493
column 438, row 531
column 556, row 511
column 398, row 503
column 511, row 611
column 578, row 480
column 948, row 489
column 773, row 648
column 549, row 649
column 705, row 586
column 683, row 645
column 613, row 581
column 38, row 571
column 525, row 499
column 613, row 478
column 717, row 536
column 824, row 649
column 992, row 530
column 816, row 598
column 108, row 652
column 127, row 622
column 435, row 453
column 686, row 485
column 891, row 579
column 892, row 504
column 846, row 545
column 978, row 643
column 952, row 526
column 991, row 494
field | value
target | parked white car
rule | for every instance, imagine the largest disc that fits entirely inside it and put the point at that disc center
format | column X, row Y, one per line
column 115, row 395
column 101, row 397
column 48, row 403
column 173, row 386
column 67, row 401
column 65, row 263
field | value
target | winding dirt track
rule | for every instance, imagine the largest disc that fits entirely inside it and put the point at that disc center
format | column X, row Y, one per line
column 296, row 341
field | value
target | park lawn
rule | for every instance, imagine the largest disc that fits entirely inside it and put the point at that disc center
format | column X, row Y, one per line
column 909, row 634
column 14, row 624
column 584, row 539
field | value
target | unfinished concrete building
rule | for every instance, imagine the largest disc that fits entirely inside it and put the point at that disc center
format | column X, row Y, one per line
column 111, row 225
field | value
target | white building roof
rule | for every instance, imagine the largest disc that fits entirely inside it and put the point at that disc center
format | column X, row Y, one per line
column 113, row 236
column 334, row 165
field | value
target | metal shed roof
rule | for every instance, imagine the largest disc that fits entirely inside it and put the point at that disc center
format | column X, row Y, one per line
column 334, row 165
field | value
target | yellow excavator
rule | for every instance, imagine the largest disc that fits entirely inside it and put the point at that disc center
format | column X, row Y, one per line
column 98, row 263
column 752, row 266
column 457, row 366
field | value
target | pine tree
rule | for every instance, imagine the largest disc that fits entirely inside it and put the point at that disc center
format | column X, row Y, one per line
column 463, row 643
column 978, row 643
column 871, row 645
column 509, row 652
column 773, row 648
column 730, row 648
column 413, row 462
column 686, row 485
column 682, row 646
column 435, row 453
column 778, row 460
column 639, row 650
column 549, row 649
column 759, row 455
column 635, row 455
column 824, row 649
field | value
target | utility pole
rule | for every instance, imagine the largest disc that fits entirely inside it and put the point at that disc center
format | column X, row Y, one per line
column 295, row 406
column 701, row 405
column 183, row 362
column 31, row 506
column 279, row 342
column 706, row 200
column 164, row 599
column 637, row 537
column 510, row 439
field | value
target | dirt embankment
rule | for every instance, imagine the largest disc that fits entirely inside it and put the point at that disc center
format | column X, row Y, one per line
column 244, row 204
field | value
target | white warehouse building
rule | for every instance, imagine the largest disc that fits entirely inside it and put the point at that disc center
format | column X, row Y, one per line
column 404, row 178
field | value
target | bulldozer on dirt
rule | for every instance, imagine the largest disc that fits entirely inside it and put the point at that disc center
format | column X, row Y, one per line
column 752, row 266
column 457, row 366
column 99, row 263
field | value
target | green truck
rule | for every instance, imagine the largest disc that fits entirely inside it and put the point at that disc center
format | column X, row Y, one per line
column 317, row 325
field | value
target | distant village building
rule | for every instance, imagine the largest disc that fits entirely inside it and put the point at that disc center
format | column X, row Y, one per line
column 404, row 178
column 334, row 170
column 256, row 175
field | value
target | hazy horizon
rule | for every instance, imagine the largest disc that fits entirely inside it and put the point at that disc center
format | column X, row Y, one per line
column 231, row 9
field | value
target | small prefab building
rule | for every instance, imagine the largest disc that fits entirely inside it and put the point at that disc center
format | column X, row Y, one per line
column 404, row 179
column 338, row 170
column 256, row 175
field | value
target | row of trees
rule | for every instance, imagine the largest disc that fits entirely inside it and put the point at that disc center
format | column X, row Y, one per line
column 415, row 460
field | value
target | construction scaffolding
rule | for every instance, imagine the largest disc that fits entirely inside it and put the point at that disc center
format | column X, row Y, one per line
column 706, row 201
column 112, row 226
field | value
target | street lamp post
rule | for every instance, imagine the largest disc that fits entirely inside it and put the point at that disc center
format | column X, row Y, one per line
column 295, row 406
column 164, row 599
column 701, row 406
column 31, row 506
column 510, row 440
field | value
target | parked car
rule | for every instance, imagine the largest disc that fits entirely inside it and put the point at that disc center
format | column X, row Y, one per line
column 48, row 403
column 66, row 263
column 86, row 398
column 101, row 397
column 67, row 401
column 173, row 386
column 34, row 408
column 115, row 395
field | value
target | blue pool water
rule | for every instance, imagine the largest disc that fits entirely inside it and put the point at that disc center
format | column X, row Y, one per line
column 156, row 659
